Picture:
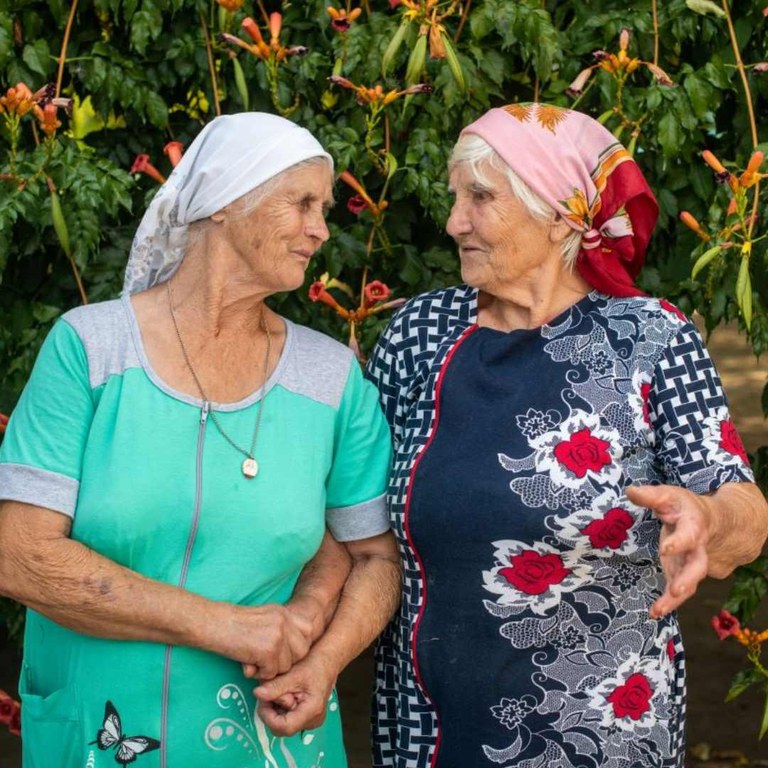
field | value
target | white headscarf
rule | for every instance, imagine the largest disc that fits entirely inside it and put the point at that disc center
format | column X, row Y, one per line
column 232, row 155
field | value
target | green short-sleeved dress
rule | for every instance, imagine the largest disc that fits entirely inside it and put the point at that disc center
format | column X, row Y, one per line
column 151, row 484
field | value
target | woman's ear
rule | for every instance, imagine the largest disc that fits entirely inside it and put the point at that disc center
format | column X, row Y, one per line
column 558, row 229
column 218, row 216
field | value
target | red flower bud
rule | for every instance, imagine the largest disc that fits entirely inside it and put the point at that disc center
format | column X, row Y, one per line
column 252, row 28
column 173, row 151
column 275, row 24
column 6, row 709
column 725, row 625
column 14, row 727
column 375, row 292
column 142, row 165
column 318, row 292
column 356, row 204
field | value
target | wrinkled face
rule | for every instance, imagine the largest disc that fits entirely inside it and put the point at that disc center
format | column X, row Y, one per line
column 499, row 241
column 279, row 237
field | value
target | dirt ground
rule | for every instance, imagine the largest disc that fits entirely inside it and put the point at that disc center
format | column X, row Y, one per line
column 719, row 735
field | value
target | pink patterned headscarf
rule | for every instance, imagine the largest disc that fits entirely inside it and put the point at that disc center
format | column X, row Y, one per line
column 571, row 162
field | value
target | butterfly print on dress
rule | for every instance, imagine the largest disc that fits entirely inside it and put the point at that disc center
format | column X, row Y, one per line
column 127, row 748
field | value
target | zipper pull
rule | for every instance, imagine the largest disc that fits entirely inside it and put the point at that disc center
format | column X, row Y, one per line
column 204, row 412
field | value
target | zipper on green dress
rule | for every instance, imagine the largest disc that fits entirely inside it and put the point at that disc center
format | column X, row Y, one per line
column 183, row 579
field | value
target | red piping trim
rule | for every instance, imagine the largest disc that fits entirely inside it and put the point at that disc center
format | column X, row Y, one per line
column 407, row 528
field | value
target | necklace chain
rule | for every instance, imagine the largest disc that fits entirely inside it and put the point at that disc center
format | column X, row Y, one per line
column 265, row 327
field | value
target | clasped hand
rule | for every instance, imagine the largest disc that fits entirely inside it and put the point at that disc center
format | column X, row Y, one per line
column 272, row 643
column 268, row 640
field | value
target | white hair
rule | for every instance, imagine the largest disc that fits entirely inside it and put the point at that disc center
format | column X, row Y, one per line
column 480, row 155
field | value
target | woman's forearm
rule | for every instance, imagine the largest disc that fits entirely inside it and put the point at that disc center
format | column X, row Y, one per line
column 738, row 527
column 370, row 597
column 320, row 584
column 76, row 587
column 41, row 567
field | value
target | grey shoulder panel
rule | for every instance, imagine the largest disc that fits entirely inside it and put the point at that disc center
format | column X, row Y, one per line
column 105, row 332
column 318, row 366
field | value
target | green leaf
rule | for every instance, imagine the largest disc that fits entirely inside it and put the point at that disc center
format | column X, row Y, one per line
column 146, row 25
column 704, row 7
column 764, row 724
column 35, row 56
column 416, row 61
column 393, row 47
column 157, row 109
column 742, row 680
column 702, row 95
column 670, row 134
column 703, row 260
column 744, row 291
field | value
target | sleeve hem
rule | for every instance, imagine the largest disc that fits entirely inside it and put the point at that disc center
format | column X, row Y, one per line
column 359, row 521
column 32, row 485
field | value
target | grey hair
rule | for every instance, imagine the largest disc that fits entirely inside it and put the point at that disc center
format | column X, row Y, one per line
column 250, row 201
column 479, row 155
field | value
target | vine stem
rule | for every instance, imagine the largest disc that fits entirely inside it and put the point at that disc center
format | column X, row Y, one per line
column 655, row 12
column 750, row 107
column 464, row 15
column 211, row 68
column 64, row 45
column 78, row 280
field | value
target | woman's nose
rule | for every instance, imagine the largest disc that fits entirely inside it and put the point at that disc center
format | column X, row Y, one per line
column 317, row 229
column 458, row 222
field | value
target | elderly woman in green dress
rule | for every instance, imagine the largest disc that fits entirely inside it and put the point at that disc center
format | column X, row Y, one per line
column 175, row 462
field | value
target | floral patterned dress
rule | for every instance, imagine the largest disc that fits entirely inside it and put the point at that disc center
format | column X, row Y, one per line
column 524, row 638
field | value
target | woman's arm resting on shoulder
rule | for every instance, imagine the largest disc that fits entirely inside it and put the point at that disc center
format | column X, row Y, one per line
column 41, row 567
column 298, row 700
column 703, row 535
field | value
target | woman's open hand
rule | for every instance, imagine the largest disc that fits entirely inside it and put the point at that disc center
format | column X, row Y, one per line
column 685, row 534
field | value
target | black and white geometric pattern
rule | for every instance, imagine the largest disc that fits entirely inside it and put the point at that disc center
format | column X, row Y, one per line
column 405, row 367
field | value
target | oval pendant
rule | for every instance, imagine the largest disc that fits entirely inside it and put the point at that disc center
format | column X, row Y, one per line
column 250, row 467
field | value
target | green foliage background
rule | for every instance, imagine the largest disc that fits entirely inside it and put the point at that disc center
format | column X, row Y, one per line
column 143, row 63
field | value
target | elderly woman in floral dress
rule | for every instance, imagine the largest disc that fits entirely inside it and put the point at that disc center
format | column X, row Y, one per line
column 566, row 470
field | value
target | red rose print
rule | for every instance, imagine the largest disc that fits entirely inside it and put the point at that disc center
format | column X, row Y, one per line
column 673, row 309
column 730, row 440
column 533, row 573
column 583, row 452
column 610, row 530
column 633, row 698
column 645, row 391
column 671, row 649
column 725, row 624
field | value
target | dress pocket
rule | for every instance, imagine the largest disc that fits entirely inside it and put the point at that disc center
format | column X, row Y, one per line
column 51, row 731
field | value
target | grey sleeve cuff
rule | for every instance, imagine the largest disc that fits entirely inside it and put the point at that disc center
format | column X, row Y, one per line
column 40, row 487
column 359, row 521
